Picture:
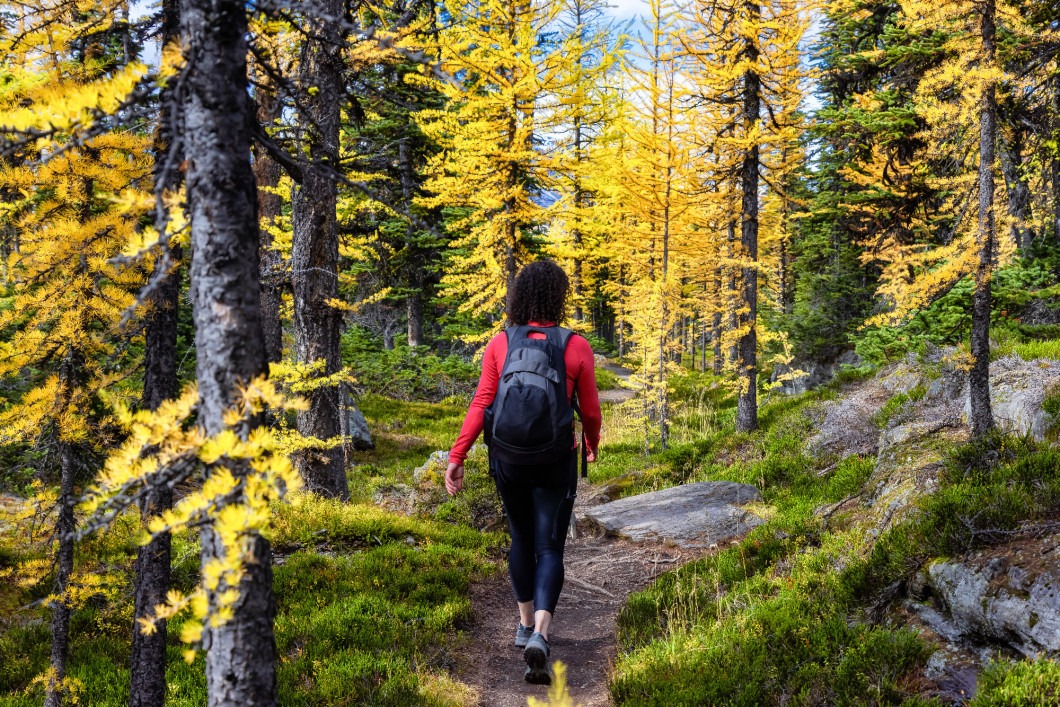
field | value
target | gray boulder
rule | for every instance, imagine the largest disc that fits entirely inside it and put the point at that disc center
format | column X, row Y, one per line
column 354, row 427
column 814, row 374
column 692, row 515
column 1000, row 600
column 435, row 465
column 1017, row 390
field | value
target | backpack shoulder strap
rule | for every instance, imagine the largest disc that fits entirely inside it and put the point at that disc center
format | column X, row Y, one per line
column 561, row 336
column 514, row 334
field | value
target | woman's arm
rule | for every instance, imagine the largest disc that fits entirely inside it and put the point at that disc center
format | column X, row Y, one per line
column 492, row 360
column 585, row 385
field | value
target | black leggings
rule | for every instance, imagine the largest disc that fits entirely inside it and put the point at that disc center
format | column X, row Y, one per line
column 538, row 502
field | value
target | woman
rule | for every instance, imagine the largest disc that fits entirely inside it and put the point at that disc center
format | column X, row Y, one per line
column 538, row 497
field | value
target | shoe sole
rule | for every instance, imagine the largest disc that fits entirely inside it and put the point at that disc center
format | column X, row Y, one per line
column 537, row 677
column 536, row 662
column 521, row 644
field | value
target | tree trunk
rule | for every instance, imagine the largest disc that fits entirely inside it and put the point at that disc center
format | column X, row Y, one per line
column 621, row 311
column 703, row 346
column 226, row 306
column 1056, row 159
column 784, row 289
column 1019, row 194
column 664, row 422
column 315, row 252
column 55, row 695
column 147, row 665
column 982, row 419
column 716, row 328
column 414, row 301
column 270, row 205
column 414, row 310
column 576, row 234
column 747, row 400
column 733, row 297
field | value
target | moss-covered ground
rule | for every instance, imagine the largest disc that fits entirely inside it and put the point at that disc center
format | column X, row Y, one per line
column 371, row 603
column 789, row 614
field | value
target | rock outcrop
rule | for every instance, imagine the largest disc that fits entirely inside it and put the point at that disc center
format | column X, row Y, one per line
column 1003, row 601
column 813, row 374
column 1011, row 599
column 354, row 428
column 1017, row 390
column 692, row 515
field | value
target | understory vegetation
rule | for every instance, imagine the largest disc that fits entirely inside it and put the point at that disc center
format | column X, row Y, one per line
column 369, row 601
column 792, row 613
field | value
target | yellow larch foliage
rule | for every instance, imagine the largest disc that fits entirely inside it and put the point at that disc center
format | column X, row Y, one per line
column 715, row 39
column 949, row 100
column 491, row 131
column 160, row 447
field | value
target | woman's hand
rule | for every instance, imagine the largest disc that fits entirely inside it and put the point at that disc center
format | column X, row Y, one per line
column 590, row 454
column 454, row 478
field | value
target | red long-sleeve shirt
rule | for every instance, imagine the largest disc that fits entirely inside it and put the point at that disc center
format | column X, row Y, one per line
column 581, row 372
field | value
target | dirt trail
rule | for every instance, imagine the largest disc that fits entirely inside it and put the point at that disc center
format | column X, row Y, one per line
column 600, row 573
column 617, row 395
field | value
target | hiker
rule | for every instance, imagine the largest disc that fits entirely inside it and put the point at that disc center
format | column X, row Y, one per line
column 529, row 429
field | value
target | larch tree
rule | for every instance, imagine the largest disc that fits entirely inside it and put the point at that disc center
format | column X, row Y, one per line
column 742, row 48
column 587, row 104
column 70, row 180
column 271, row 40
column 958, row 102
column 229, row 343
column 147, row 663
column 651, row 183
column 315, row 251
column 491, row 165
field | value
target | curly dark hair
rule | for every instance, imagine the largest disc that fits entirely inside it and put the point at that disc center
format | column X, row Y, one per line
column 539, row 294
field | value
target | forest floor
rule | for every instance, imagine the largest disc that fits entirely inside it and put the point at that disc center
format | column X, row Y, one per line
column 601, row 572
column 618, row 395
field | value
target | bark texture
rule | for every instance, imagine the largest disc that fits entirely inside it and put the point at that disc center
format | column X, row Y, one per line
column 147, row 664
column 747, row 369
column 1019, row 194
column 1056, row 160
column 55, row 694
column 315, row 253
column 417, row 279
column 982, row 418
column 267, row 173
column 226, row 301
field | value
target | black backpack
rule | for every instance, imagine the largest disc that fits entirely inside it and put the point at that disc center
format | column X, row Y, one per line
column 531, row 420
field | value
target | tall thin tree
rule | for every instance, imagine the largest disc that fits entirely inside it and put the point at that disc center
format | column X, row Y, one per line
column 226, row 306
column 315, row 253
column 147, row 671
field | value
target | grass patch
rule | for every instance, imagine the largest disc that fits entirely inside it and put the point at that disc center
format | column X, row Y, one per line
column 607, row 379
column 1030, row 350
column 775, row 618
column 368, row 605
column 1028, row 683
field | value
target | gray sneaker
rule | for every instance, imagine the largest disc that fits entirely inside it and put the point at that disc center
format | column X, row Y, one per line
column 536, row 656
column 522, row 635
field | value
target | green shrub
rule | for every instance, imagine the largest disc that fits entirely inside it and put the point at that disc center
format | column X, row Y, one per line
column 607, row 379
column 1029, row 683
column 405, row 373
column 1031, row 350
column 947, row 320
